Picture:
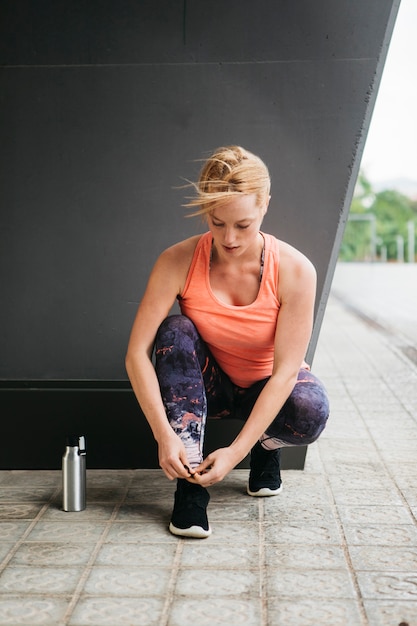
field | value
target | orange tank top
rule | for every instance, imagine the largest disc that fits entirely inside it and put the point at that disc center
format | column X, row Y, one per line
column 241, row 338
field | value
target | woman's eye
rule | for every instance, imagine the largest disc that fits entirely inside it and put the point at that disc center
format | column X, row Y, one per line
column 243, row 227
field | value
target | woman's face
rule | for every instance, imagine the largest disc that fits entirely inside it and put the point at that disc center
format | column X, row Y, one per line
column 235, row 224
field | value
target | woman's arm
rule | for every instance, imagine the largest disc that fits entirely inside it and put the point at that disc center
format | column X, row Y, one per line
column 165, row 283
column 295, row 321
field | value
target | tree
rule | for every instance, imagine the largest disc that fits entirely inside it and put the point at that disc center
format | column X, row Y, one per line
column 389, row 210
column 393, row 211
column 356, row 244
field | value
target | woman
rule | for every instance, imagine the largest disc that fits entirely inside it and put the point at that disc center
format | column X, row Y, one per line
column 236, row 350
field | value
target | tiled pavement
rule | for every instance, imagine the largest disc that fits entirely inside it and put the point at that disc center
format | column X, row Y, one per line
column 338, row 547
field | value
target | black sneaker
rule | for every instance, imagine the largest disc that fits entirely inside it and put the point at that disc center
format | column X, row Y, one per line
column 189, row 516
column 265, row 475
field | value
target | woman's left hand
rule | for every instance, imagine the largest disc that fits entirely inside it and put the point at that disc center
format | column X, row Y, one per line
column 214, row 467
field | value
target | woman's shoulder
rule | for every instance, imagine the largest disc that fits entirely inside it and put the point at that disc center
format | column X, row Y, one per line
column 182, row 249
column 173, row 264
column 293, row 261
column 178, row 257
column 288, row 254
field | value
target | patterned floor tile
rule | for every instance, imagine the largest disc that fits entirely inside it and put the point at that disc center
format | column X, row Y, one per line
column 220, row 555
column 389, row 613
column 5, row 549
column 396, row 455
column 294, row 533
column 31, row 611
column 405, row 474
column 305, row 557
column 52, row 554
column 70, row 531
column 39, row 580
column 117, row 611
column 298, row 584
column 313, row 613
column 382, row 535
column 13, row 531
column 248, row 511
column 391, row 515
column 295, row 482
column 35, row 478
column 145, row 532
column 388, row 585
column 92, row 512
column 138, row 582
column 374, row 497
column 348, row 452
column 306, row 491
column 231, row 533
column 208, row 583
column 145, row 512
column 26, row 494
column 310, row 515
column 341, row 482
column 382, row 558
column 219, row 611
column 19, row 511
column 137, row 555
column 410, row 494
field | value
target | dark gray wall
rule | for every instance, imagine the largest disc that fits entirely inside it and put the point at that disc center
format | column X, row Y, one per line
column 105, row 108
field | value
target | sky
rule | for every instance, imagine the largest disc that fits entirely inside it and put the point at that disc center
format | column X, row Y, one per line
column 391, row 147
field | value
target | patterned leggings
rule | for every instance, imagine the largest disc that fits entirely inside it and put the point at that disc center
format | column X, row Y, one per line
column 193, row 387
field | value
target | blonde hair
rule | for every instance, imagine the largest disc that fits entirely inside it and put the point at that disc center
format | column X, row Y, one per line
column 227, row 173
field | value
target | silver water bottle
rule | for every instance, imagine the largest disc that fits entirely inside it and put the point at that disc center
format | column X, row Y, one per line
column 74, row 474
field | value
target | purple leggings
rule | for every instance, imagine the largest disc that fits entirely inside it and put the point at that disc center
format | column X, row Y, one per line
column 194, row 387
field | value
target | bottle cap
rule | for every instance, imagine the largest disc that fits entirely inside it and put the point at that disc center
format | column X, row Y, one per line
column 76, row 441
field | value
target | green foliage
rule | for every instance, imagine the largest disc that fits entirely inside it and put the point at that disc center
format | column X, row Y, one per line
column 376, row 221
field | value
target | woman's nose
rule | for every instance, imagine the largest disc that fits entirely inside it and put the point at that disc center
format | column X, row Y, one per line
column 229, row 236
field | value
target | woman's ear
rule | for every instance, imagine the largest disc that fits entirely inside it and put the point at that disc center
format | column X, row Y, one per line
column 266, row 205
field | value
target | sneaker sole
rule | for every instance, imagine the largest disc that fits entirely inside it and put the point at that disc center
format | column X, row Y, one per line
column 194, row 531
column 264, row 492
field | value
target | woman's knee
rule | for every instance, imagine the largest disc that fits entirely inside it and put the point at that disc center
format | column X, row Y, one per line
column 303, row 417
column 310, row 408
column 174, row 326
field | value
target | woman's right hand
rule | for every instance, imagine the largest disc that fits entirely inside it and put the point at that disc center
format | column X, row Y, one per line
column 173, row 458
